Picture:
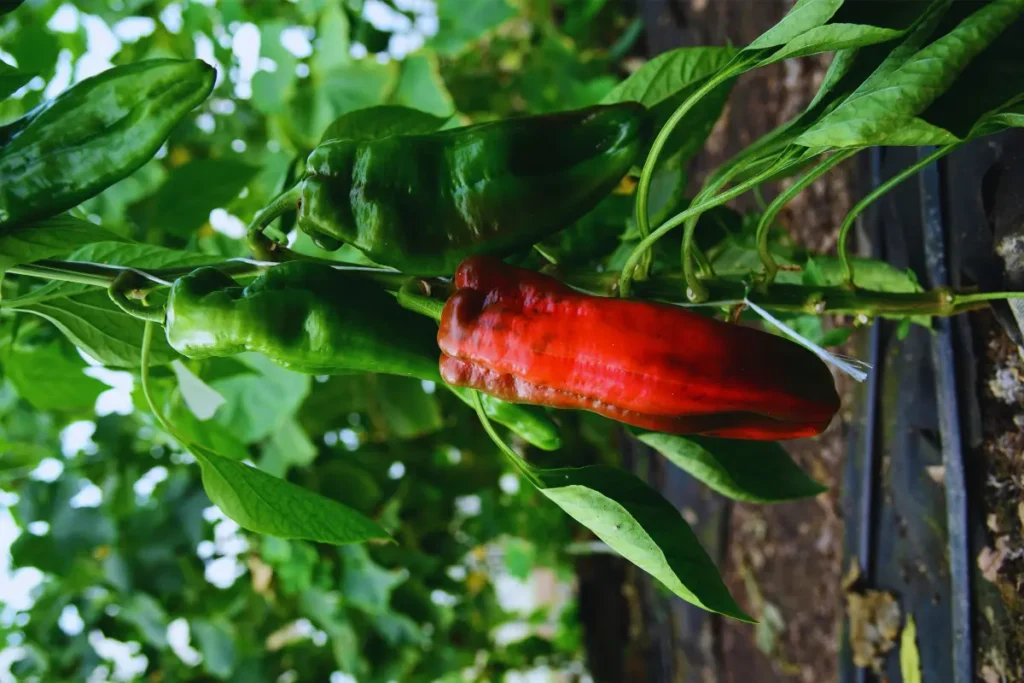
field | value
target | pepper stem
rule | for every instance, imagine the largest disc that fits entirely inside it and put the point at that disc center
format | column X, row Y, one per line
column 410, row 296
column 643, row 188
column 513, row 457
column 859, row 207
column 278, row 206
column 768, row 217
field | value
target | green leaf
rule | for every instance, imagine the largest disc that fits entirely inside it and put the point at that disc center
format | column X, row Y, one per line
column 20, row 457
column 207, row 433
column 753, row 471
column 257, row 404
column 12, row 79
column 287, row 446
column 664, row 77
column 271, row 91
column 365, row 584
column 401, row 409
column 421, row 86
column 910, row 658
column 664, row 82
column 833, row 37
column 463, row 22
column 202, row 400
column 147, row 615
column 50, row 379
column 216, row 642
column 106, row 333
column 804, row 16
column 267, row 505
column 381, row 122
column 51, row 237
column 145, row 256
column 639, row 524
column 183, row 203
column 877, row 112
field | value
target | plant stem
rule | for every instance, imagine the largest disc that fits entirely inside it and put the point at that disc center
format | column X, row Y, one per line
column 411, row 297
column 844, row 229
column 517, row 461
column 696, row 290
column 281, row 204
column 644, row 186
column 794, row 298
column 50, row 273
column 768, row 217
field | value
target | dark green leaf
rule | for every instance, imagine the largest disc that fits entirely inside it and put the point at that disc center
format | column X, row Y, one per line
column 753, row 471
column 905, row 84
column 635, row 521
column 11, row 79
column 421, row 87
column 54, row 236
column 183, row 203
column 381, row 122
column 401, row 409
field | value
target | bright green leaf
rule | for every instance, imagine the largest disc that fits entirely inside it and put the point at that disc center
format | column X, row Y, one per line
column 94, row 324
column 200, row 397
column 49, row 379
column 267, row 505
column 754, row 471
column 635, row 521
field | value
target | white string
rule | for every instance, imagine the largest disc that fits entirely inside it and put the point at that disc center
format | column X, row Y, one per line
column 853, row 367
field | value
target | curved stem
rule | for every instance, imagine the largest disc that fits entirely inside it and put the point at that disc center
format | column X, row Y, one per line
column 858, row 209
column 135, row 308
column 626, row 277
column 644, row 186
column 978, row 297
column 517, row 461
column 764, row 226
column 147, row 343
column 281, row 204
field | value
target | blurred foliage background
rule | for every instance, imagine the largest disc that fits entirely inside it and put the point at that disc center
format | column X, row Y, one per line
column 114, row 565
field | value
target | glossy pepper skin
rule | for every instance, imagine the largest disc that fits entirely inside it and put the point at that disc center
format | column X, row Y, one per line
column 422, row 203
column 93, row 134
column 317, row 320
column 525, row 337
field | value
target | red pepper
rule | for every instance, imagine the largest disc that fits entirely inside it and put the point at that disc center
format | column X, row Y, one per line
column 525, row 337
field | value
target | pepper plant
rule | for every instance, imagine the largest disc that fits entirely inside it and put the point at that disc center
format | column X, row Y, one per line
column 379, row 202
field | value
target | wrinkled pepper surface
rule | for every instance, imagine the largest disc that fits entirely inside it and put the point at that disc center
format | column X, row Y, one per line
column 525, row 337
column 422, row 203
column 314, row 319
column 93, row 134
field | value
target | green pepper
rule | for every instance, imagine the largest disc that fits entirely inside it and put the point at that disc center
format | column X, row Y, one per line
column 314, row 319
column 422, row 203
column 93, row 134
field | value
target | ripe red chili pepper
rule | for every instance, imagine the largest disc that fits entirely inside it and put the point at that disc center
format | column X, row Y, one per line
column 526, row 337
